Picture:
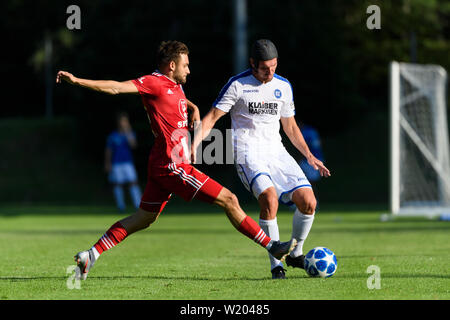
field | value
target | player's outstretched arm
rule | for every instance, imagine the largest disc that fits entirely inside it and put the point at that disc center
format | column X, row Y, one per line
column 204, row 129
column 294, row 134
column 105, row 86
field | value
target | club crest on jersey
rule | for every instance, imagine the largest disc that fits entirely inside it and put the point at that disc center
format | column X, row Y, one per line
column 277, row 93
column 182, row 108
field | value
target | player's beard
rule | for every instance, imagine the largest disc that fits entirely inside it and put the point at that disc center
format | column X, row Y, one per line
column 266, row 77
column 180, row 79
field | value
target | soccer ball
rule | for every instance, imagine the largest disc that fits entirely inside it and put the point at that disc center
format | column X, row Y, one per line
column 320, row 262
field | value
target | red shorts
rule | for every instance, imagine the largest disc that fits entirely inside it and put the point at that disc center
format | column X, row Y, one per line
column 181, row 179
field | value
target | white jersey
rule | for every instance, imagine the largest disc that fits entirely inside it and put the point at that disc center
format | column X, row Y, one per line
column 255, row 109
column 260, row 157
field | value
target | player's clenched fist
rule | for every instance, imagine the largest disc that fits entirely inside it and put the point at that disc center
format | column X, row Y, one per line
column 66, row 76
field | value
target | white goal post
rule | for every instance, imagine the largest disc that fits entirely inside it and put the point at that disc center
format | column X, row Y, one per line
column 419, row 155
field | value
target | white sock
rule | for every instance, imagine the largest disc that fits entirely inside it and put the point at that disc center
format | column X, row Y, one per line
column 301, row 225
column 95, row 252
column 270, row 227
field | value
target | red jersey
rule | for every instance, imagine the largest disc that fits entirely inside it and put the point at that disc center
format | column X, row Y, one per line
column 166, row 107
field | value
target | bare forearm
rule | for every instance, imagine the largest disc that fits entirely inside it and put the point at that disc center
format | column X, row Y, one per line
column 203, row 131
column 105, row 86
column 194, row 117
column 205, row 127
column 295, row 136
column 191, row 106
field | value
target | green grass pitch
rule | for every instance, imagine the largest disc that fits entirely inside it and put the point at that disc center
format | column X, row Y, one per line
column 201, row 256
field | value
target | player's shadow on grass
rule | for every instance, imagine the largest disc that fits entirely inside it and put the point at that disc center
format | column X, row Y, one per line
column 16, row 279
column 394, row 276
column 130, row 277
column 298, row 276
column 184, row 278
column 374, row 256
column 99, row 232
column 380, row 229
column 365, row 276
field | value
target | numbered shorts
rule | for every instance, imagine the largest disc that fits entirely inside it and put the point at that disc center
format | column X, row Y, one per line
column 277, row 170
column 181, row 179
column 122, row 173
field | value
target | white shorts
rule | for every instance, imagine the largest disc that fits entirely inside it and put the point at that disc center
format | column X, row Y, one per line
column 122, row 173
column 278, row 170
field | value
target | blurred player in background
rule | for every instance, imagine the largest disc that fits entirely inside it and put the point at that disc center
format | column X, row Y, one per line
column 119, row 162
column 312, row 139
column 169, row 170
column 258, row 99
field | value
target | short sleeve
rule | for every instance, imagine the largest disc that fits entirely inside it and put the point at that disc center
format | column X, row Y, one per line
column 288, row 108
column 228, row 96
column 147, row 85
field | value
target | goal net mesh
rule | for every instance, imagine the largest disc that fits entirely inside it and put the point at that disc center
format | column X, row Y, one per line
column 422, row 160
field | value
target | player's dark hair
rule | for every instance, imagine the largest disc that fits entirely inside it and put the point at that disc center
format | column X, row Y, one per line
column 263, row 50
column 170, row 51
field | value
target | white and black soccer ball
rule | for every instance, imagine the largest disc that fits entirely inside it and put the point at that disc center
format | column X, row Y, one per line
column 320, row 262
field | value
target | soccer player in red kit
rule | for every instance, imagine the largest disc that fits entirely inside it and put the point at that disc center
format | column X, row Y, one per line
column 169, row 170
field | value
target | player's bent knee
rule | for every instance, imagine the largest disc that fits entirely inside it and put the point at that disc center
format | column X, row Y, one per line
column 268, row 199
column 268, row 203
column 147, row 218
column 227, row 199
column 232, row 201
column 140, row 220
column 308, row 206
column 305, row 201
column 148, row 223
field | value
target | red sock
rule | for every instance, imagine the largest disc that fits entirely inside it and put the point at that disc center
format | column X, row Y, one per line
column 111, row 238
column 252, row 230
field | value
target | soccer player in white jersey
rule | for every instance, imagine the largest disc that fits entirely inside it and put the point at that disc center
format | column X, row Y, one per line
column 257, row 100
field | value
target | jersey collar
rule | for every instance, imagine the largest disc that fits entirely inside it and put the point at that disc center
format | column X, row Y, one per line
column 261, row 83
column 159, row 72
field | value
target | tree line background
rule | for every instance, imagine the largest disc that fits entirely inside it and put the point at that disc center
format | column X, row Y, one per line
column 337, row 66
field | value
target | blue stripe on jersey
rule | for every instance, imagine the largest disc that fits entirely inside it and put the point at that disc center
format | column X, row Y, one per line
column 285, row 80
column 225, row 88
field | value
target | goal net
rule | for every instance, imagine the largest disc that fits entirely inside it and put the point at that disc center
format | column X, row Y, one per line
column 420, row 167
